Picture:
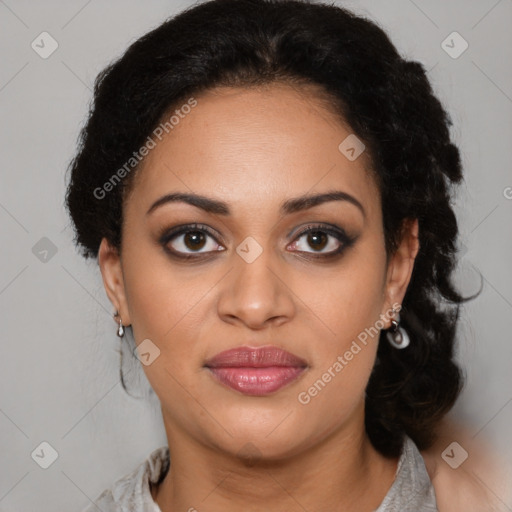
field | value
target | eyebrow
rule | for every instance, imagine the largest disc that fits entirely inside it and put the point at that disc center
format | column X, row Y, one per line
column 290, row 206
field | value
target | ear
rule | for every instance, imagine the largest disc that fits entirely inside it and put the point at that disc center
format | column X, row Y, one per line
column 401, row 264
column 109, row 262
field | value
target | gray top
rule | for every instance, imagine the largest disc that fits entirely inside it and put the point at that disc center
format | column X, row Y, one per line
column 411, row 490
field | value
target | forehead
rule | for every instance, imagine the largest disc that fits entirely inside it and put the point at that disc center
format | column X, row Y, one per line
column 257, row 145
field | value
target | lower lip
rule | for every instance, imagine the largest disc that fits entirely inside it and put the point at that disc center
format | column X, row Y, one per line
column 257, row 381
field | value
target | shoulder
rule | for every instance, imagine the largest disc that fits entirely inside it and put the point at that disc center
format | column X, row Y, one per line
column 132, row 492
column 466, row 475
column 411, row 488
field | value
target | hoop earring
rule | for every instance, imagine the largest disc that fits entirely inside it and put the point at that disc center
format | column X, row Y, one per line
column 397, row 336
column 120, row 328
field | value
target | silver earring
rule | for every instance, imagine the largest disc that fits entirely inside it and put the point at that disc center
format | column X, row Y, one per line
column 120, row 328
column 397, row 336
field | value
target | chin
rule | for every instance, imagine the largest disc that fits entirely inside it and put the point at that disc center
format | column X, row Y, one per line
column 260, row 440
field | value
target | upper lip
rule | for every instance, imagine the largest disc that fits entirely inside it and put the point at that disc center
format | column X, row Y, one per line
column 249, row 357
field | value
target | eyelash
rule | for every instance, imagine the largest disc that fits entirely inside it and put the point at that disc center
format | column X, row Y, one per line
column 338, row 233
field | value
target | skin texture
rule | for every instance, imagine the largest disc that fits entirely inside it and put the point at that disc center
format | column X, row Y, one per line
column 254, row 149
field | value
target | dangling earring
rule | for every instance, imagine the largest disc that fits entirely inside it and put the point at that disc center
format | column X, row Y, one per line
column 120, row 329
column 397, row 336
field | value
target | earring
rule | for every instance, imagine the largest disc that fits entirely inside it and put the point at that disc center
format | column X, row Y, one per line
column 120, row 329
column 397, row 336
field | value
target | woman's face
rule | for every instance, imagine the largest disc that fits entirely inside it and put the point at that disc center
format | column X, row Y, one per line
column 246, row 275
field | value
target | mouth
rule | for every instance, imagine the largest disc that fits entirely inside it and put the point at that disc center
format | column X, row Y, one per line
column 256, row 371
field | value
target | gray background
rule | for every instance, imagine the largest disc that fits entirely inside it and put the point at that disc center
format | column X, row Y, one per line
column 59, row 378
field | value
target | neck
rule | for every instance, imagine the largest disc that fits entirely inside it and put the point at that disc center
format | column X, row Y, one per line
column 342, row 472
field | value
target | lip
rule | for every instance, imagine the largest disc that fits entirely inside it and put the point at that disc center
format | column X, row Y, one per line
column 256, row 371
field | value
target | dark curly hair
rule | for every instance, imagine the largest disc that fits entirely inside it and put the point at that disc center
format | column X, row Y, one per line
column 385, row 99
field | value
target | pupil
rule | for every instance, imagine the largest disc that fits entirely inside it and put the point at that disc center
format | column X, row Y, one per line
column 196, row 239
column 316, row 238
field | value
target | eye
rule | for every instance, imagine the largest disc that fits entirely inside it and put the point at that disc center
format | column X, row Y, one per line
column 190, row 239
column 324, row 240
column 196, row 239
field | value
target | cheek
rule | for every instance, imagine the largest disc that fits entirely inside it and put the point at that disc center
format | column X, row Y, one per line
column 170, row 307
column 165, row 308
column 158, row 297
column 344, row 355
column 345, row 306
column 345, row 301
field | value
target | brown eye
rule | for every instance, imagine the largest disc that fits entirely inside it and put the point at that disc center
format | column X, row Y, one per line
column 317, row 240
column 189, row 240
column 194, row 240
column 322, row 241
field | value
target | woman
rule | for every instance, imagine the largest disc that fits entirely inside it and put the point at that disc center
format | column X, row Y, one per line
column 266, row 186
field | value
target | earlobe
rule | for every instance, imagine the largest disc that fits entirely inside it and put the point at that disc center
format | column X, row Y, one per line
column 401, row 264
column 113, row 280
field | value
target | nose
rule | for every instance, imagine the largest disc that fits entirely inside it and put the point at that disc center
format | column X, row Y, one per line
column 256, row 294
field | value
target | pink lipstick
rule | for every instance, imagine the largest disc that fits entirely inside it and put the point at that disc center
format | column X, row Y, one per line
column 256, row 371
